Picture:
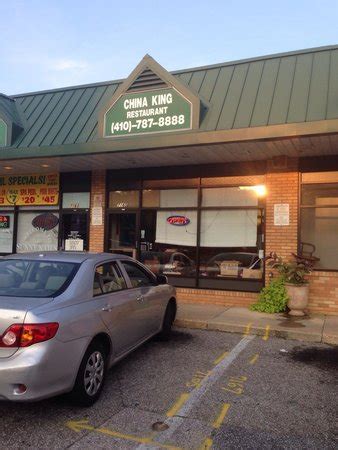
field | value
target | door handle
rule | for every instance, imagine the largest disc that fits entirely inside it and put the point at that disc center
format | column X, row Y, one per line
column 140, row 298
column 107, row 308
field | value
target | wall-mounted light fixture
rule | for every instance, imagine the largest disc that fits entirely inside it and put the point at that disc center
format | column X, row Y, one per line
column 259, row 189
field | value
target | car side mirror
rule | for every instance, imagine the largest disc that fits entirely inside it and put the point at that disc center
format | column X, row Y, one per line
column 161, row 279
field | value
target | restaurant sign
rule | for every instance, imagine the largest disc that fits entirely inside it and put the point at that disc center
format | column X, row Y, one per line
column 29, row 189
column 179, row 221
column 3, row 133
column 146, row 112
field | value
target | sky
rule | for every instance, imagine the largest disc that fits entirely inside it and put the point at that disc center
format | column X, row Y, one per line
column 54, row 43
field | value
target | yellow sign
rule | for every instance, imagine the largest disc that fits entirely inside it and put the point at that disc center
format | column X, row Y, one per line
column 29, row 189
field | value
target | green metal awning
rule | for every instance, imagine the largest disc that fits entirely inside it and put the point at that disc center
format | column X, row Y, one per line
column 276, row 96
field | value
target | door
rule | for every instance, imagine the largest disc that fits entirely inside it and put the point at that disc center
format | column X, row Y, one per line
column 119, row 307
column 122, row 233
column 74, row 235
column 148, row 294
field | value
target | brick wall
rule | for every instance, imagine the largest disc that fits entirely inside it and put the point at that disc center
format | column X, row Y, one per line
column 225, row 298
column 96, row 232
column 282, row 188
column 324, row 292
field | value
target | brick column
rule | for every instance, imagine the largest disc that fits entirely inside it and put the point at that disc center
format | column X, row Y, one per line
column 282, row 187
column 98, row 192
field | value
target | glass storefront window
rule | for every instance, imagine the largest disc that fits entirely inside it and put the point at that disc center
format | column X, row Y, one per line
column 320, row 194
column 123, row 199
column 319, row 224
column 6, row 231
column 168, row 242
column 37, row 231
column 229, row 244
column 319, row 235
column 122, row 233
column 163, row 232
column 168, row 198
column 76, row 200
column 74, row 234
column 229, row 196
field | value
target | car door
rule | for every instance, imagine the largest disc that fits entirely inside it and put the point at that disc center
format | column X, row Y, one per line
column 119, row 307
column 147, row 292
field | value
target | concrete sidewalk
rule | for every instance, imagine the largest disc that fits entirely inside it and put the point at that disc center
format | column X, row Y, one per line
column 311, row 328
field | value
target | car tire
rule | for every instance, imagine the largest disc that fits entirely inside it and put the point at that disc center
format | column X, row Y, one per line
column 91, row 375
column 168, row 321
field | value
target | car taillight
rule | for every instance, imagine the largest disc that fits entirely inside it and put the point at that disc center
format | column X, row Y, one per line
column 28, row 334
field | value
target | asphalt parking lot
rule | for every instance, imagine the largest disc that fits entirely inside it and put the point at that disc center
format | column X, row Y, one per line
column 200, row 390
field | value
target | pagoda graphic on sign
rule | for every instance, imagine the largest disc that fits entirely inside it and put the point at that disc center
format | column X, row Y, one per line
column 149, row 101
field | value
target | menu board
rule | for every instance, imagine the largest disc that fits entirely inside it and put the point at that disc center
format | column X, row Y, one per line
column 30, row 190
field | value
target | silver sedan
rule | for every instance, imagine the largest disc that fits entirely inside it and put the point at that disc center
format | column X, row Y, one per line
column 65, row 318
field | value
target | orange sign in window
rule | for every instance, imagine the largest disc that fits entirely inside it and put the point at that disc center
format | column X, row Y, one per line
column 29, row 189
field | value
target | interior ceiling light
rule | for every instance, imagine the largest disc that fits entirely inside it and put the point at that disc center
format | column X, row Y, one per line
column 45, row 165
column 8, row 167
column 259, row 189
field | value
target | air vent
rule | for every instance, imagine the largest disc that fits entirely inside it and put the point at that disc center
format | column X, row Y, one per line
column 147, row 80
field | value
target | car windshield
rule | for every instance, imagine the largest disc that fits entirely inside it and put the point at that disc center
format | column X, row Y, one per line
column 26, row 278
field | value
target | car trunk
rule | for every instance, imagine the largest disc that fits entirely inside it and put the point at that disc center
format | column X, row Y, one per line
column 13, row 311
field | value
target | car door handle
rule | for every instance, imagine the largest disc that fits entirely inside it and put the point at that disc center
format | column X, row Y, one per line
column 140, row 298
column 107, row 308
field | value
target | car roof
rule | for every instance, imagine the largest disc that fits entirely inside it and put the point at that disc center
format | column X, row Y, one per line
column 75, row 257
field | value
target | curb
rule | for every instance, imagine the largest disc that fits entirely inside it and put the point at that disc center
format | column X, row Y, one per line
column 259, row 331
column 330, row 339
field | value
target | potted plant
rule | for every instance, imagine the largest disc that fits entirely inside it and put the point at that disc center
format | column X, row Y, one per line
column 294, row 274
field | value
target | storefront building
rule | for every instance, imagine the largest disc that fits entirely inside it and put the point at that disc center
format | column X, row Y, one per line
column 199, row 173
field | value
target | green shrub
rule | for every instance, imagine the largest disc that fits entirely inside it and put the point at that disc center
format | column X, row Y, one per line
column 273, row 298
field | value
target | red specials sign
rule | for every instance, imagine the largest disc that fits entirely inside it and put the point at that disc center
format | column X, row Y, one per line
column 178, row 220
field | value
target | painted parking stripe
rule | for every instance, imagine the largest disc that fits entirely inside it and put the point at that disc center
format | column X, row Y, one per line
column 247, row 329
column 216, row 373
column 267, row 332
column 178, row 405
column 219, row 420
column 254, row 358
column 207, row 444
column 219, row 359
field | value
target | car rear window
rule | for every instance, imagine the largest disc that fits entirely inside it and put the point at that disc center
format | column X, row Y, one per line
column 26, row 278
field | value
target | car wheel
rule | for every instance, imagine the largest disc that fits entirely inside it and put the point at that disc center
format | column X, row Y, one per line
column 168, row 321
column 91, row 376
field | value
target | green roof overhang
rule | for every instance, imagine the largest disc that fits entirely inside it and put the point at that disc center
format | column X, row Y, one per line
column 182, row 139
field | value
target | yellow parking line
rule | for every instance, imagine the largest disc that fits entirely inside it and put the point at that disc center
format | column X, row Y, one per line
column 178, row 404
column 219, row 420
column 219, row 359
column 206, row 444
column 266, row 335
column 254, row 358
column 247, row 329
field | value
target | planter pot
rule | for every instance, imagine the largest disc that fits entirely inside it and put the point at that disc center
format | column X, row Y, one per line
column 298, row 298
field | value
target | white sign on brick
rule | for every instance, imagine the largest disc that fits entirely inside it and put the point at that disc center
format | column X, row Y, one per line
column 281, row 214
column 97, row 215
